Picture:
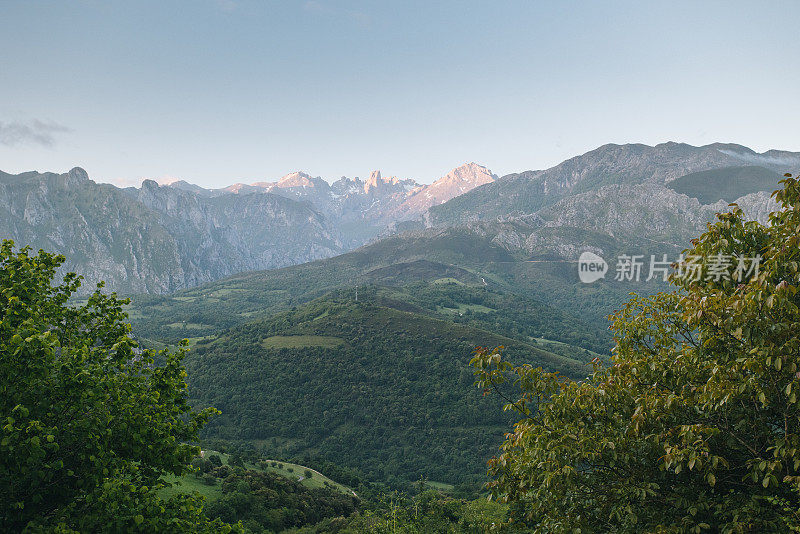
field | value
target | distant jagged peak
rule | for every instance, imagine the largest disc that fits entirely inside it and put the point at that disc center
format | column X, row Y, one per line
column 469, row 174
column 235, row 188
column 291, row 180
column 377, row 183
column 457, row 182
column 301, row 179
column 347, row 185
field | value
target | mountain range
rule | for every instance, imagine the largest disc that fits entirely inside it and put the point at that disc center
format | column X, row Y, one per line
column 162, row 238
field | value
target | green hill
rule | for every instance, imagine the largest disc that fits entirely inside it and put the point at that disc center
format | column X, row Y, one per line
column 726, row 184
column 243, row 297
column 460, row 255
column 364, row 385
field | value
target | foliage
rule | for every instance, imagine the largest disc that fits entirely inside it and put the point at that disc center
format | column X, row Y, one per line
column 89, row 422
column 429, row 512
column 696, row 425
column 501, row 312
column 268, row 502
column 392, row 400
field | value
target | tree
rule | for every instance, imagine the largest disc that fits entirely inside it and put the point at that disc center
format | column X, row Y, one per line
column 695, row 425
column 89, row 423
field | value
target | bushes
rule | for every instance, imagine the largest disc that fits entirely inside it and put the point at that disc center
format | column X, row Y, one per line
column 268, row 501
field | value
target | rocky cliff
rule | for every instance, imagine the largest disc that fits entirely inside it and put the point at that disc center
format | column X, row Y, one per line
column 157, row 239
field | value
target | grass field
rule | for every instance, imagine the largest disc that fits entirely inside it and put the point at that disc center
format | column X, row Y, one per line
column 191, row 483
column 295, row 342
column 317, row 480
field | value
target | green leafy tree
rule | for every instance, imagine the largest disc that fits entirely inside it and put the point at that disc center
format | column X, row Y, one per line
column 429, row 512
column 695, row 425
column 88, row 422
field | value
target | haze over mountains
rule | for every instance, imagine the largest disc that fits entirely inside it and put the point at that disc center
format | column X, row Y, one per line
column 160, row 238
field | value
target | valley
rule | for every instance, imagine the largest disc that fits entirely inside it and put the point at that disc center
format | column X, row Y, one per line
column 359, row 341
column 349, row 351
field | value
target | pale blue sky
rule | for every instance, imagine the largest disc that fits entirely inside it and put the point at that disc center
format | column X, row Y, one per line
column 219, row 91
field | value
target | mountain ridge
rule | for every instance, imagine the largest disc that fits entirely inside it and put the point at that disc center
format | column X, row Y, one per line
column 161, row 238
column 527, row 192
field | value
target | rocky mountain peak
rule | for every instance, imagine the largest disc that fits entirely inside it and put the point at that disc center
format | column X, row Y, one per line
column 297, row 179
column 384, row 184
column 374, row 182
column 76, row 176
column 467, row 176
column 78, row 173
column 455, row 183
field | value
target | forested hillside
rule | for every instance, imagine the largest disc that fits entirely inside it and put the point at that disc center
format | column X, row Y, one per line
column 367, row 386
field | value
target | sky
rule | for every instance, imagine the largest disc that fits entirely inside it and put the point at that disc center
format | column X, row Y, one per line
column 222, row 91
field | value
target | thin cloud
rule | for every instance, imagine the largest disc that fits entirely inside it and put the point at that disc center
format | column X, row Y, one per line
column 34, row 132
